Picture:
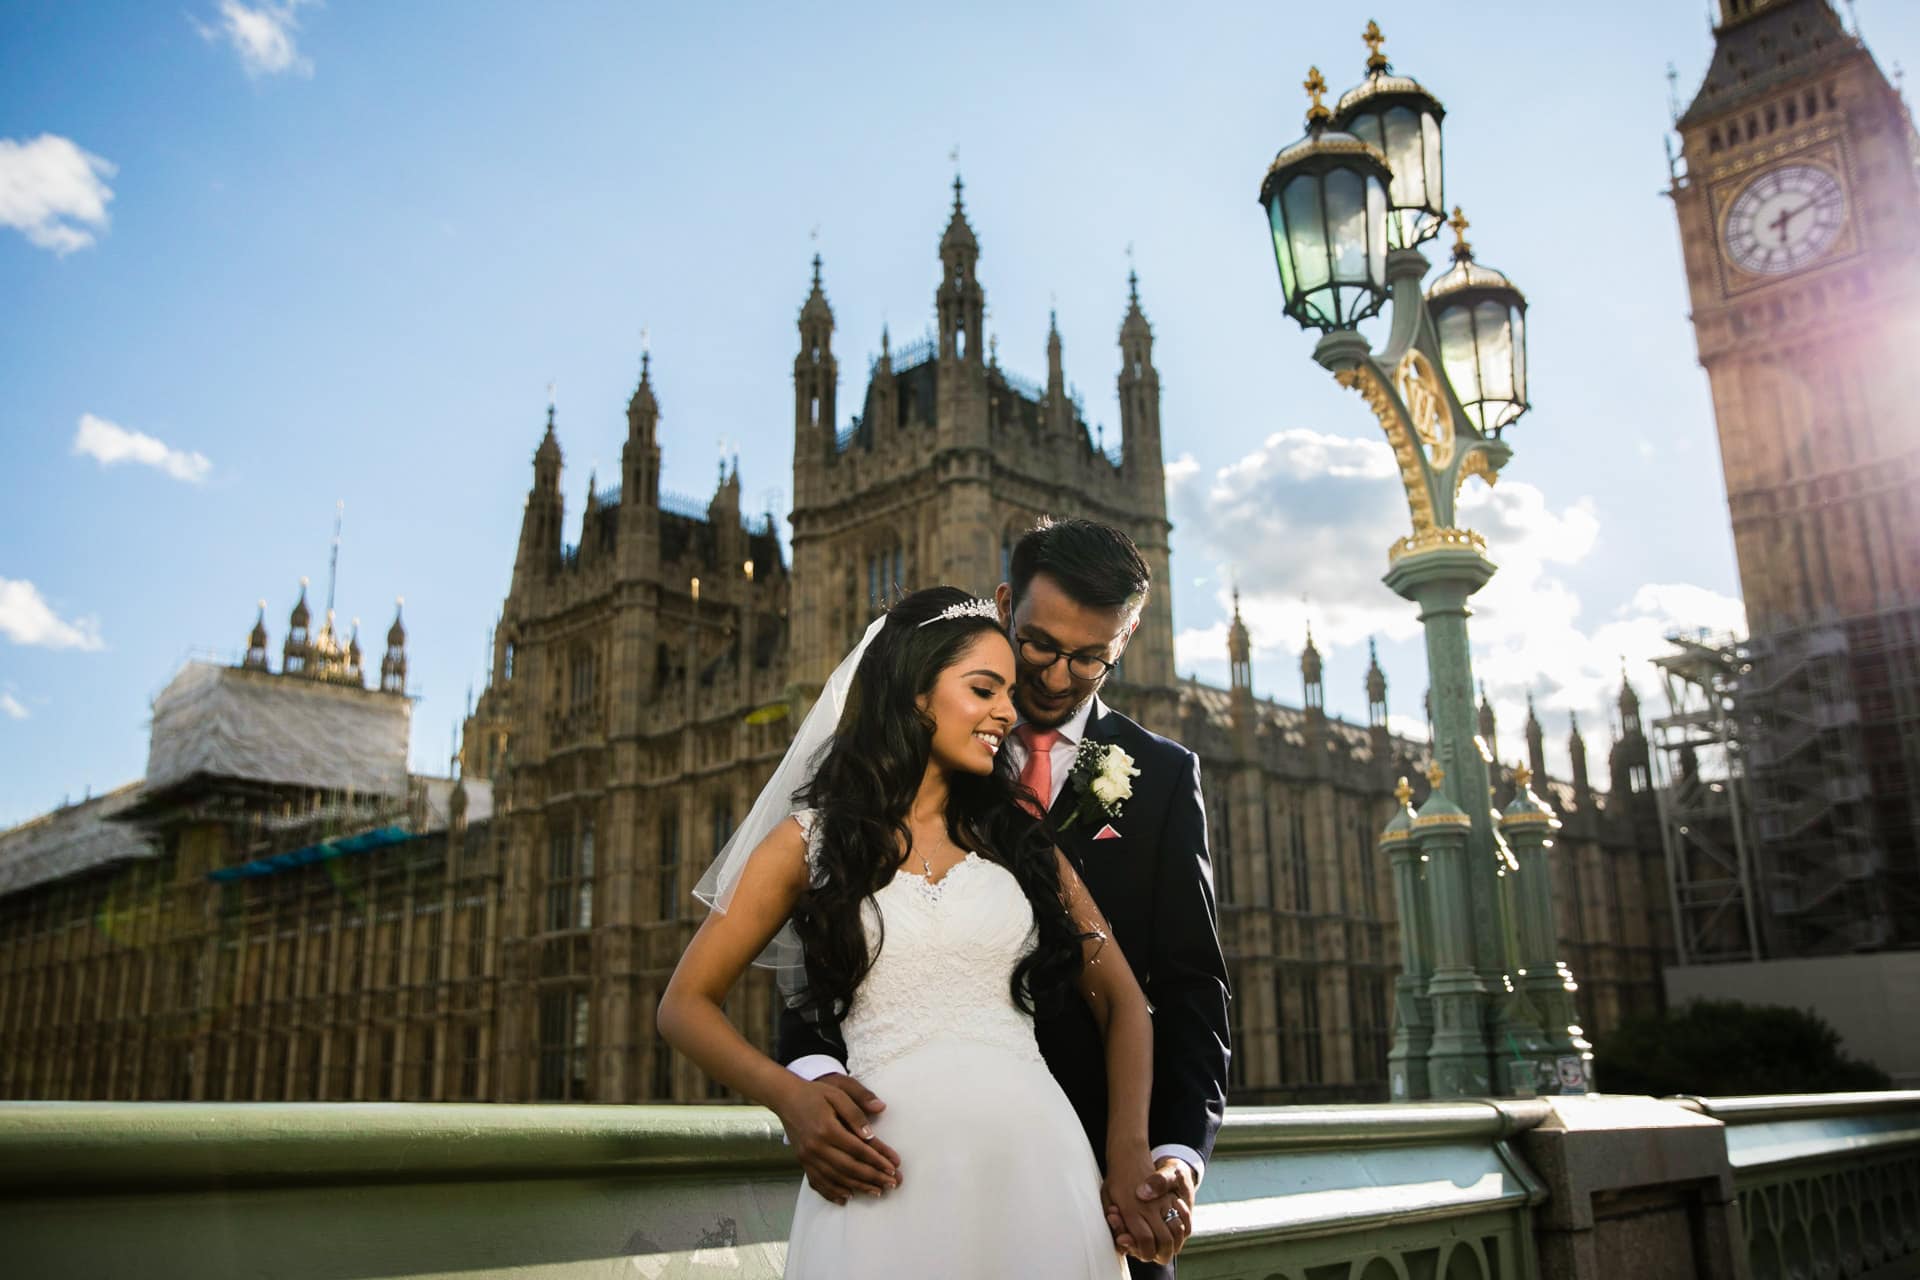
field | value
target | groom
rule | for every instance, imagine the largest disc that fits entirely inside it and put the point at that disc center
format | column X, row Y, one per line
column 1076, row 594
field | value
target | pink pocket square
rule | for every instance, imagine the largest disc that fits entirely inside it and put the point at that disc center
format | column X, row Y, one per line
column 1106, row 833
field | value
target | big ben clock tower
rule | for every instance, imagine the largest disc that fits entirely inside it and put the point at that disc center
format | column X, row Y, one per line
column 1801, row 221
column 1799, row 218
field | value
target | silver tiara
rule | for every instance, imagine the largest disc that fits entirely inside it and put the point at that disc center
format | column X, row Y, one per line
column 966, row 609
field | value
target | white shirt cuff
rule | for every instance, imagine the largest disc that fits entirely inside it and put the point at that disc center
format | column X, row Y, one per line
column 815, row 1065
column 1178, row 1152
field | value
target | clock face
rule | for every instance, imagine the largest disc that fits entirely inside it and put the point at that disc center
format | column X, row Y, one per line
column 1784, row 219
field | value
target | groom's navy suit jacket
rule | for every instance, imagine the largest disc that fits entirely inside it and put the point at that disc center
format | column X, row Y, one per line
column 1154, row 883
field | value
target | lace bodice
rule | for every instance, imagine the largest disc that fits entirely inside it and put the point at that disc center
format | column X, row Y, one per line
column 946, row 956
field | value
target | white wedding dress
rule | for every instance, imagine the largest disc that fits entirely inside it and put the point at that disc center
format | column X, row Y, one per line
column 996, row 1176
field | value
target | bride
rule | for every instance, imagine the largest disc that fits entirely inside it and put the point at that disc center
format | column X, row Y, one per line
column 897, row 880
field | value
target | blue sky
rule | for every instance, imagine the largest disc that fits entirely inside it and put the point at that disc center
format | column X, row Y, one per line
column 261, row 259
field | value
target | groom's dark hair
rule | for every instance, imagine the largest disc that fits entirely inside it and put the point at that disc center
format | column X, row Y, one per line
column 1095, row 563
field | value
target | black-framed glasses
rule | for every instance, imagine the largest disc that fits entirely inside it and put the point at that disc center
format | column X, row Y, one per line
column 1081, row 666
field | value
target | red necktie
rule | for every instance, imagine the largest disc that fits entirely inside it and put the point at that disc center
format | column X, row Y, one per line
column 1037, row 773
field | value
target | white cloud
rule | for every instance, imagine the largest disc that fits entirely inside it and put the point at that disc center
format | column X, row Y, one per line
column 1303, row 524
column 52, row 192
column 262, row 35
column 111, row 444
column 10, row 706
column 26, row 618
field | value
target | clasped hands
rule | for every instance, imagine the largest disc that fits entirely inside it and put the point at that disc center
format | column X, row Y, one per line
column 827, row 1123
column 1162, row 1217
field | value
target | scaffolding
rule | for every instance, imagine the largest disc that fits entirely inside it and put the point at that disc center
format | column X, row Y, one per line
column 1700, row 787
column 1822, row 872
column 1789, row 789
column 1884, row 649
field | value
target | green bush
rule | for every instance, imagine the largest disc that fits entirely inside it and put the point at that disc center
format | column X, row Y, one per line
column 1722, row 1048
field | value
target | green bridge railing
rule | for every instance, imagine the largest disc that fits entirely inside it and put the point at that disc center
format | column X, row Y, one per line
column 1826, row 1186
column 1829, row 1184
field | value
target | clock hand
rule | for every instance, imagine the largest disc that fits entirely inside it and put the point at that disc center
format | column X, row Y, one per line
column 1787, row 215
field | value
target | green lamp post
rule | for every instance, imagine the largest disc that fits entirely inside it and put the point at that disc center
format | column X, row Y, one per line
column 1348, row 206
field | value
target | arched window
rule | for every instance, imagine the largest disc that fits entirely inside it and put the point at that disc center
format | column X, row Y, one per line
column 886, row 575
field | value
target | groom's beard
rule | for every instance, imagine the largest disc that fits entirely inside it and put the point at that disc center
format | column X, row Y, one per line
column 1032, row 700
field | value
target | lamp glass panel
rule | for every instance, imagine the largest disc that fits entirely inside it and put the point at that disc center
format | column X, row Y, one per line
column 1347, row 302
column 1520, row 355
column 1377, row 232
column 1493, row 331
column 1455, row 326
column 1306, row 232
column 1436, row 174
column 1366, row 127
column 1347, row 225
column 1282, row 249
column 1406, row 156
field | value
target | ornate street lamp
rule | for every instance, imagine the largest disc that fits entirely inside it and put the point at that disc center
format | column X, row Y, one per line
column 1482, row 322
column 1402, row 121
column 1346, row 205
column 1326, row 202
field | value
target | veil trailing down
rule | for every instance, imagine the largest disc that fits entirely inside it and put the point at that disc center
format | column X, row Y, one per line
column 774, row 805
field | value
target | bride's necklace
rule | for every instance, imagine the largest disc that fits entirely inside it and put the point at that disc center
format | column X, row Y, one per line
column 926, row 864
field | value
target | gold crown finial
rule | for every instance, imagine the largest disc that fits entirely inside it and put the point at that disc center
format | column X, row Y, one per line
column 1316, row 86
column 1403, row 792
column 1435, row 775
column 1522, row 775
column 1459, row 223
column 1376, row 60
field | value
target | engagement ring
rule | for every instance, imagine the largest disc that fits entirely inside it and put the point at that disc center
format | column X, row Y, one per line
column 1171, row 1215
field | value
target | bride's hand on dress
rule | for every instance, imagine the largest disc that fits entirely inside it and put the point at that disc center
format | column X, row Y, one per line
column 1131, row 1220
column 836, row 1146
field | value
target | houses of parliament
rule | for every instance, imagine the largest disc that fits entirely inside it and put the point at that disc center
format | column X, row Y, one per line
column 256, row 920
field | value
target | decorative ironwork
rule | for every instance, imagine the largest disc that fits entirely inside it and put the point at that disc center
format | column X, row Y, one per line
column 1857, row 1218
column 1363, row 379
column 1475, row 464
column 681, row 504
column 1437, row 540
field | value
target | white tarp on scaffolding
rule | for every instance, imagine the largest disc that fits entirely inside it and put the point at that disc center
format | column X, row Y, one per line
column 70, row 840
column 439, row 796
column 232, row 723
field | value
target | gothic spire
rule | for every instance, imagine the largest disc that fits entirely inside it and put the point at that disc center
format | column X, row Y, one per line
column 1536, row 745
column 1134, row 327
column 959, row 233
column 393, row 667
column 815, row 314
column 1310, row 673
column 256, row 658
column 643, row 408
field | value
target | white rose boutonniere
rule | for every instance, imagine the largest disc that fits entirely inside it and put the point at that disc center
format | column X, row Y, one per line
column 1103, row 777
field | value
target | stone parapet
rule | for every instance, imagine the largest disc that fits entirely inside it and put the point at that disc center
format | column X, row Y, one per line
column 1563, row 1187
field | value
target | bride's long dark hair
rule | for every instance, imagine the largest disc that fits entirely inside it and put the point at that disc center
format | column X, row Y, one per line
column 865, row 785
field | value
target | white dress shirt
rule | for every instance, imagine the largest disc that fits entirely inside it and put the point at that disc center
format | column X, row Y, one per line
column 815, row 1065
